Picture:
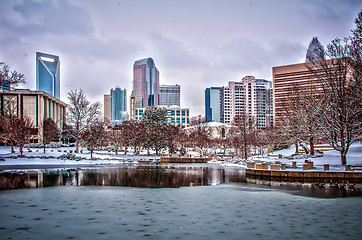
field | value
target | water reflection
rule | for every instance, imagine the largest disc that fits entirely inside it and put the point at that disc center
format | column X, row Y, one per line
column 162, row 176
column 130, row 176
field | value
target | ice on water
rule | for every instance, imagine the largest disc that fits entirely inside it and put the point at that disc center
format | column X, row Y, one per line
column 226, row 211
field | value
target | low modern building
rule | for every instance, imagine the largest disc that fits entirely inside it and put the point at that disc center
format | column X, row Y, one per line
column 37, row 105
column 176, row 116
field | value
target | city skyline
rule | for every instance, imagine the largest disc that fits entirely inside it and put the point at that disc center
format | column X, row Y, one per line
column 195, row 45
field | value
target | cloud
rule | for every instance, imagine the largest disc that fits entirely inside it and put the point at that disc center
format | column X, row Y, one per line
column 196, row 44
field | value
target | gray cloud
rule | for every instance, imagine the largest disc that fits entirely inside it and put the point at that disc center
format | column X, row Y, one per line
column 196, row 44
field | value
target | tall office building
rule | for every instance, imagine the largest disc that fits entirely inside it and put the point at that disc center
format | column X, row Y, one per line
column 213, row 104
column 251, row 96
column 118, row 105
column 145, row 83
column 48, row 74
column 107, row 108
column 169, row 95
column 286, row 78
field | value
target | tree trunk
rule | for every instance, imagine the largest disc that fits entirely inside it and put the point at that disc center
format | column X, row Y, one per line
column 44, row 148
column 91, row 154
column 296, row 147
column 343, row 158
column 21, row 150
column 311, row 145
column 12, row 147
column 76, row 147
column 125, row 150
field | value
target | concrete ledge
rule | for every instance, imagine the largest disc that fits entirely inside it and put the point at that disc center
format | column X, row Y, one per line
column 304, row 174
column 184, row 160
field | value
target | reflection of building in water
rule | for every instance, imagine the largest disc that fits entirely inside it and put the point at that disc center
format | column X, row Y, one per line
column 132, row 176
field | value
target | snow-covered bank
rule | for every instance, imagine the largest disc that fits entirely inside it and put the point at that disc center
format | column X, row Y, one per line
column 66, row 156
column 332, row 157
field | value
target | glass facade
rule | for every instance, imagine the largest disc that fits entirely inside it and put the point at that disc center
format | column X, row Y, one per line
column 212, row 104
column 170, row 95
column 179, row 117
column 118, row 105
column 145, row 83
column 48, row 74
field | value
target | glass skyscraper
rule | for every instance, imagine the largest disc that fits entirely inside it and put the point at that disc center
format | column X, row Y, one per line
column 145, row 83
column 48, row 74
column 118, row 105
column 212, row 104
column 169, row 95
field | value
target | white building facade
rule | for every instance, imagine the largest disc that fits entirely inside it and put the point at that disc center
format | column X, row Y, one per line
column 250, row 95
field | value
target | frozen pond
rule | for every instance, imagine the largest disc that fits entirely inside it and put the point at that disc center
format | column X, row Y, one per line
column 227, row 208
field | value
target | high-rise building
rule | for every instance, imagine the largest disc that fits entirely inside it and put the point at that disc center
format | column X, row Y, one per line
column 251, row 96
column 169, row 95
column 285, row 79
column 213, row 104
column 145, row 83
column 48, row 74
column 107, row 108
column 118, row 105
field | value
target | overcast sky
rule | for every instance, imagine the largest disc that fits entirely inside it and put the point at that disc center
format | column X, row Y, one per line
column 196, row 44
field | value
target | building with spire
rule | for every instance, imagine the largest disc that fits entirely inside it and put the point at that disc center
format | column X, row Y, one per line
column 315, row 51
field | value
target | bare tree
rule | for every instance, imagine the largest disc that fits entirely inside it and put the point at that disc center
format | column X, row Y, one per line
column 263, row 138
column 200, row 136
column 339, row 106
column 340, row 103
column 21, row 131
column 81, row 113
column 92, row 137
column 8, row 79
column 197, row 120
column 4, row 129
column 300, row 121
column 155, row 135
column 243, row 128
column 50, row 132
column 115, row 137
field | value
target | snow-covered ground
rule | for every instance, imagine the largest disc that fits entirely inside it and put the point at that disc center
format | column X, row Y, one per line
column 53, row 157
column 331, row 157
column 66, row 156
